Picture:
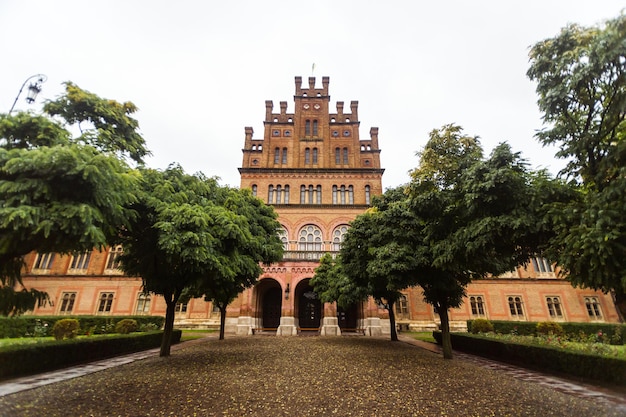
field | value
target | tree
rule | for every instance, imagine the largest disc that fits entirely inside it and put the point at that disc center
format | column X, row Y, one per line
column 581, row 83
column 262, row 245
column 478, row 217
column 60, row 193
column 181, row 234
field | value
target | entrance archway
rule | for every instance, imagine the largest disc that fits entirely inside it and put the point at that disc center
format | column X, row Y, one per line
column 347, row 318
column 269, row 303
column 309, row 307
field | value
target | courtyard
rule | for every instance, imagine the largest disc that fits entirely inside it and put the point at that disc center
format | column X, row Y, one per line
column 301, row 376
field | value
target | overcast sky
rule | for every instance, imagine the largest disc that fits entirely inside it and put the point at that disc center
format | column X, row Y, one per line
column 200, row 71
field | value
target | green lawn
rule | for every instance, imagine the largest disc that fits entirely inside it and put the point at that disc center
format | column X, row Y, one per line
column 423, row 336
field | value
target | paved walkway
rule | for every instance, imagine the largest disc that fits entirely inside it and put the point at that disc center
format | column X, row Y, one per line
column 575, row 388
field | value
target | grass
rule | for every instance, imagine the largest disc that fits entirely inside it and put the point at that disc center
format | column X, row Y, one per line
column 17, row 341
column 195, row 334
column 423, row 336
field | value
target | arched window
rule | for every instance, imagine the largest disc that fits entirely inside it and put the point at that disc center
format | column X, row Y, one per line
column 254, row 189
column 278, row 194
column 345, row 156
column 277, row 156
column 307, row 156
column 337, row 156
column 284, row 156
column 310, row 238
column 318, row 199
column 477, row 305
column 302, row 194
column 367, row 194
column 286, row 196
column 284, row 237
column 314, row 127
column 314, row 156
column 554, row 307
column 339, row 235
column 307, row 128
column 350, row 194
column 515, row 307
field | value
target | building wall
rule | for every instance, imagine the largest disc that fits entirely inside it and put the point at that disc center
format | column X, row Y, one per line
column 321, row 150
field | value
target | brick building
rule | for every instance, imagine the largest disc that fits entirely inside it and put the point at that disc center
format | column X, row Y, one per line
column 315, row 169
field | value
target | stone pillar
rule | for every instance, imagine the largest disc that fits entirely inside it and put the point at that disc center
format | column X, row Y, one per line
column 245, row 324
column 287, row 326
column 330, row 327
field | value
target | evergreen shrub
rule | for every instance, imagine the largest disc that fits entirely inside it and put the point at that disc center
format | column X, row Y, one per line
column 126, row 326
column 481, row 326
column 550, row 327
column 65, row 329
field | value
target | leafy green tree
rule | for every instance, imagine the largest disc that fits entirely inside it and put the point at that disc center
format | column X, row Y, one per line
column 478, row 217
column 581, row 83
column 262, row 245
column 181, row 234
column 60, row 193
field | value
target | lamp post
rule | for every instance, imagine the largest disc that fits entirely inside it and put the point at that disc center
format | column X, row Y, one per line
column 33, row 89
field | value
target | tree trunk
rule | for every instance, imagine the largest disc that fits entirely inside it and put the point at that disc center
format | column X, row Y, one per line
column 166, row 342
column 446, row 343
column 222, row 320
column 392, row 322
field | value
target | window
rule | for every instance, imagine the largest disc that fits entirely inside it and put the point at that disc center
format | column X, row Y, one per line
column 276, row 132
column 477, row 305
column 67, row 302
column 346, row 133
column 337, row 156
column 277, row 156
column 541, row 265
column 282, row 234
column 310, row 238
column 554, row 307
column 402, row 307
column 43, row 261
column 339, row 235
column 143, row 303
column 307, row 128
column 180, row 308
column 113, row 262
column 106, row 301
column 254, row 190
column 284, row 156
column 80, row 261
column 367, row 194
column 270, row 194
column 288, row 132
column 307, row 156
column 314, row 156
column 345, row 156
column 314, row 127
column 515, row 306
column 593, row 308
column 311, row 194
column 335, row 133
column 343, row 194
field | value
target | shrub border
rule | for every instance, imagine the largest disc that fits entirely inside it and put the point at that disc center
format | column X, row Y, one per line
column 543, row 358
column 35, row 358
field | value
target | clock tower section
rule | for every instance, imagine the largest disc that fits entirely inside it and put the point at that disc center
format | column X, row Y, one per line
column 315, row 170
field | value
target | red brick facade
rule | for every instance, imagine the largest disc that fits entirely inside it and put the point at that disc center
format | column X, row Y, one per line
column 317, row 172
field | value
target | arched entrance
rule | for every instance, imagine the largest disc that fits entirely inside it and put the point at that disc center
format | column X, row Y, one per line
column 309, row 307
column 347, row 318
column 269, row 304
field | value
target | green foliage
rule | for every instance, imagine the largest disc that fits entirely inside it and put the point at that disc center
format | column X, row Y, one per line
column 550, row 328
column 577, row 363
column 481, row 326
column 581, row 82
column 35, row 358
column 26, row 326
column 126, row 326
column 65, row 329
column 60, row 193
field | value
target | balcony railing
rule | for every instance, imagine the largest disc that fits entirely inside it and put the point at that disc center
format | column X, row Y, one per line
column 301, row 255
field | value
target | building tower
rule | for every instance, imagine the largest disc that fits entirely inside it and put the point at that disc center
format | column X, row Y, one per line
column 313, row 167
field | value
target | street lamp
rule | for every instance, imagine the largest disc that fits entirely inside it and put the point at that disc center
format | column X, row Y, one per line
column 33, row 89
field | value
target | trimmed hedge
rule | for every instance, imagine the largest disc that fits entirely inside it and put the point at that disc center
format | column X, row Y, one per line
column 40, row 326
column 40, row 357
column 529, row 328
column 544, row 358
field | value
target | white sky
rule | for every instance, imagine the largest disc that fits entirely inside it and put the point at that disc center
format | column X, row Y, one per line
column 200, row 71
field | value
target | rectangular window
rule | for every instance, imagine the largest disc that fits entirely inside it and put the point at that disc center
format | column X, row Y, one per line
column 67, row 302
column 80, row 261
column 515, row 307
column 106, row 301
column 43, row 261
column 554, row 307
column 143, row 304
column 180, row 308
column 477, row 305
column 402, row 306
column 541, row 265
column 593, row 308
